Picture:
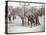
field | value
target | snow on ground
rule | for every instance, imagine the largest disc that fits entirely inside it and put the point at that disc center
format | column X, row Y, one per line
column 15, row 27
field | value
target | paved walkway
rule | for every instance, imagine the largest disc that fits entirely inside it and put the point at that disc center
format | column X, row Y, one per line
column 17, row 27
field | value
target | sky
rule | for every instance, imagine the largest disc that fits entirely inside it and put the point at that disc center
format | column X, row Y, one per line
column 16, row 4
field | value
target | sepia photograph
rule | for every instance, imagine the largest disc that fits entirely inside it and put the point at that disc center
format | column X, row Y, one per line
column 24, row 17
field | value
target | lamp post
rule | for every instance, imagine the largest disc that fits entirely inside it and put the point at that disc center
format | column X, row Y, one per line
column 24, row 21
